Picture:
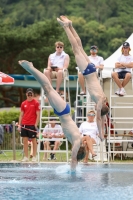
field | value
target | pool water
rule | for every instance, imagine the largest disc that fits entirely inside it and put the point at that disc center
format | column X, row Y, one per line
column 53, row 181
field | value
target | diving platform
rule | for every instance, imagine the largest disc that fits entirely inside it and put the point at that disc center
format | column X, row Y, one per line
column 30, row 81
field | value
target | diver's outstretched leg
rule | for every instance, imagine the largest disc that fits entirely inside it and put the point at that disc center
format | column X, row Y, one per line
column 54, row 98
column 75, row 34
column 79, row 57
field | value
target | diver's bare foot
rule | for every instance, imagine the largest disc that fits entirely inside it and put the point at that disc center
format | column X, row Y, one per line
column 64, row 24
column 65, row 19
column 25, row 64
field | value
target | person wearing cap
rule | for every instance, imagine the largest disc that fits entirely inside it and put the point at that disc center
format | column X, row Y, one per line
column 89, row 130
column 52, row 131
column 123, row 67
column 97, row 61
column 60, row 60
column 28, row 122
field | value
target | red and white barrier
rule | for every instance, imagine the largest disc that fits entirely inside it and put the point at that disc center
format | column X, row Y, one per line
column 6, row 79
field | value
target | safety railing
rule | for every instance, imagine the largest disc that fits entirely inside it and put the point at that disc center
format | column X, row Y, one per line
column 119, row 140
column 12, row 150
column 55, row 151
column 10, row 147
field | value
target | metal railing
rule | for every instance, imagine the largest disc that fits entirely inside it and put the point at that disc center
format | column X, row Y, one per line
column 12, row 150
column 55, row 151
column 11, row 147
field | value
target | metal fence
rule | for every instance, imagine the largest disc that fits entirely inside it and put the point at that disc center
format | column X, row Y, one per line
column 11, row 147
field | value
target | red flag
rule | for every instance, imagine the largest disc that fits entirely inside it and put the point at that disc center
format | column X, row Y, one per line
column 6, row 79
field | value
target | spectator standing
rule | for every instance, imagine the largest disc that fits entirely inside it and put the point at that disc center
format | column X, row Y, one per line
column 28, row 122
column 60, row 60
column 123, row 67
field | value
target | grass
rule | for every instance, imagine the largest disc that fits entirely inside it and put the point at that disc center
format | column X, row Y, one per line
column 7, row 156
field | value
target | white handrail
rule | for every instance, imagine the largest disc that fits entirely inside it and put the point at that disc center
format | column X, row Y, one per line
column 122, row 120
column 56, row 151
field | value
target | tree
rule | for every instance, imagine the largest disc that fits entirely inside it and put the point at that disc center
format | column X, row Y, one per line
column 33, row 43
column 35, row 39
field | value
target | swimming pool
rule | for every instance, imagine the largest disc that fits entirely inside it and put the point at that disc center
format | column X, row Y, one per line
column 52, row 181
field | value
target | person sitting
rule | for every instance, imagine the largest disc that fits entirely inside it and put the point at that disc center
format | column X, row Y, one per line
column 123, row 67
column 52, row 131
column 97, row 61
column 89, row 130
column 60, row 60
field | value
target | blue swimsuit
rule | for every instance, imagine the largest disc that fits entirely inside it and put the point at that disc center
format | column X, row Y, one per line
column 64, row 112
column 89, row 69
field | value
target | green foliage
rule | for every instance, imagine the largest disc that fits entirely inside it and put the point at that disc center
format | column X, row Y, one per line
column 6, row 117
column 29, row 29
column 45, row 113
column 114, row 43
column 33, row 42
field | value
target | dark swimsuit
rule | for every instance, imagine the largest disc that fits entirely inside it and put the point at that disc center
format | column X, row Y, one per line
column 64, row 112
column 89, row 69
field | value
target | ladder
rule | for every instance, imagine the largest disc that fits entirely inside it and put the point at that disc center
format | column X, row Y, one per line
column 83, row 104
column 121, row 115
column 45, row 106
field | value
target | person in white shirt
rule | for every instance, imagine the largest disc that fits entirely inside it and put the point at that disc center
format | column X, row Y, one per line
column 60, row 60
column 52, row 131
column 89, row 130
column 123, row 67
column 97, row 61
